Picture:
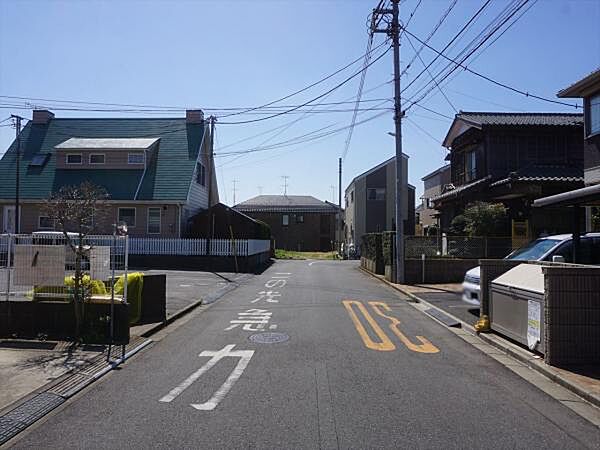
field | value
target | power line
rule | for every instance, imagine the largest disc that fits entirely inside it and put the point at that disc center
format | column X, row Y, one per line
column 491, row 80
column 309, row 86
column 432, row 78
column 465, row 26
column 360, row 89
column 475, row 44
column 312, row 100
column 437, row 26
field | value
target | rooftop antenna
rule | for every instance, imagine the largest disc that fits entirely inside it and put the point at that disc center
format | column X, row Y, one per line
column 285, row 183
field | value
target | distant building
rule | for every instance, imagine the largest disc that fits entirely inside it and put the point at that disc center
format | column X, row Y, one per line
column 434, row 184
column 371, row 202
column 298, row 222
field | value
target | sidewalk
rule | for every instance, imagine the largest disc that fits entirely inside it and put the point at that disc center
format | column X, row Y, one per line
column 38, row 376
column 583, row 381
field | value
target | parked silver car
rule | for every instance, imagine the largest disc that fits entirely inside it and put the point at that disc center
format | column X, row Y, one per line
column 552, row 248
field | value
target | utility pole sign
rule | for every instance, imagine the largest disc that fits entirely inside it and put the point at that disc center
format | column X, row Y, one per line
column 393, row 31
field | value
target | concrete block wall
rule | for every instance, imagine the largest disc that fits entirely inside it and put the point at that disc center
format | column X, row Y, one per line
column 572, row 315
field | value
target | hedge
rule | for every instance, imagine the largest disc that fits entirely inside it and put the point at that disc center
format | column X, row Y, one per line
column 388, row 244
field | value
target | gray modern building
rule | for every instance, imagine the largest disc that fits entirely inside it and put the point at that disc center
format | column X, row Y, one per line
column 371, row 202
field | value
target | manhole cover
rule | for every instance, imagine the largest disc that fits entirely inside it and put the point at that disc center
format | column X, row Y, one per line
column 268, row 338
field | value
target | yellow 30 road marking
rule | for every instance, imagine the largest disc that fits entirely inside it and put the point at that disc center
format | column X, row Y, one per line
column 424, row 347
column 385, row 345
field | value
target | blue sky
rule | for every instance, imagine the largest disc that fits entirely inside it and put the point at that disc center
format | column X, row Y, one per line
column 217, row 54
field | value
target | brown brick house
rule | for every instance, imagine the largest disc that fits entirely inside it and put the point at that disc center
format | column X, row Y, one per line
column 298, row 222
column 155, row 170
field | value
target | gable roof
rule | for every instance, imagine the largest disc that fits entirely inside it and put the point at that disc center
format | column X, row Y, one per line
column 436, row 171
column 167, row 177
column 586, row 86
column 285, row 203
column 375, row 169
column 465, row 120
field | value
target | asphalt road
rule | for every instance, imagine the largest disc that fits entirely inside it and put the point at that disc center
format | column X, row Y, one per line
column 334, row 384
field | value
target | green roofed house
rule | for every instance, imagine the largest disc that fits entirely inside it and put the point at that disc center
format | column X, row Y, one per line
column 156, row 171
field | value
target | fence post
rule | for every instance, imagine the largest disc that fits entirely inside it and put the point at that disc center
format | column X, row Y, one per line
column 444, row 244
column 485, row 243
column 8, row 263
column 423, row 268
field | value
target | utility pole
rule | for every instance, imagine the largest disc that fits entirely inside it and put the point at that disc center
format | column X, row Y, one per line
column 393, row 30
column 234, row 189
column 340, row 227
column 212, row 120
column 18, row 173
column 285, row 183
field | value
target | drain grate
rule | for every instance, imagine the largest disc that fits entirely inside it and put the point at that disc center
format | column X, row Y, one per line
column 268, row 338
column 27, row 413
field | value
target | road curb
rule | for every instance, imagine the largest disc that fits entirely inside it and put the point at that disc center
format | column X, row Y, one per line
column 413, row 298
column 501, row 344
column 43, row 401
column 189, row 308
column 60, row 396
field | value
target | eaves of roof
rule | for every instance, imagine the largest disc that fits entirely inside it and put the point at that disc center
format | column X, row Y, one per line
column 537, row 179
column 582, row 88
column 462, row 189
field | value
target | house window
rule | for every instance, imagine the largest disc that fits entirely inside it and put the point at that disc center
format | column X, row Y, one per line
column 135, row 158
column 45, row 223
column 594, row 114
column 376, row 194
column 74, row 158
column 471, row 165
column 97, row 158
column 285, row 220
column 153, row 220
column 299, row 218
column 200, row 174
column 127, row 215
column 352, row 197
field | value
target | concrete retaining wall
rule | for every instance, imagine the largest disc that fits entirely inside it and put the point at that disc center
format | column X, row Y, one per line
column 437, row 270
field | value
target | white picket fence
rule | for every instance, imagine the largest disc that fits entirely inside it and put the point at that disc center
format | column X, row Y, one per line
column 197, row 247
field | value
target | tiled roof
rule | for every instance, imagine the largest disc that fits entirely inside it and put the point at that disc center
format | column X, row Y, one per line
column 461, row 189
column 283, row 203
column 528, row 119
column 465, row 120
column 543, row 174
column 167, row 178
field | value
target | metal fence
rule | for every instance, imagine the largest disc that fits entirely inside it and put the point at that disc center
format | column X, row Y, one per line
column 42, row 266
column 198, row 247
column 459, row 246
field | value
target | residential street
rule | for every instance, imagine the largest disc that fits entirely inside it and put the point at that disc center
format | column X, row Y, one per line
column 350, row 376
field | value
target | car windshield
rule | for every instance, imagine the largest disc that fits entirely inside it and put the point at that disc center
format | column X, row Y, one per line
column 534, row 250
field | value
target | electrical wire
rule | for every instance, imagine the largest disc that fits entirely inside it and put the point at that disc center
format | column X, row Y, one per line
column 456, row 36
column 493, row 81
column 432, row 78
column 313, row 99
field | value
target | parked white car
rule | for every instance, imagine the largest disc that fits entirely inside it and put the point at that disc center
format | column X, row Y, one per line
column 543, row 249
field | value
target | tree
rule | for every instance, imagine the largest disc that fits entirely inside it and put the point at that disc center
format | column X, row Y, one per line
column 77, row 209
column 484, row 219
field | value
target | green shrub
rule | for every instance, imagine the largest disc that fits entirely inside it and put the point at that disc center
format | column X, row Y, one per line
column 388, row 241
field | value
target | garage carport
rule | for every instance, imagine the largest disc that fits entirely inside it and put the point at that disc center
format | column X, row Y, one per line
column 575, row 200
